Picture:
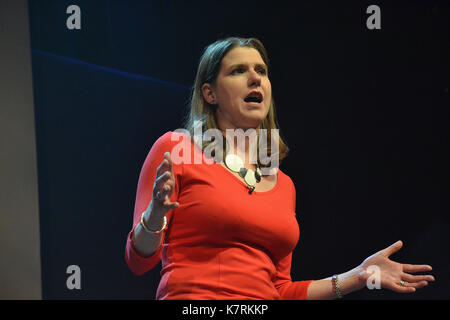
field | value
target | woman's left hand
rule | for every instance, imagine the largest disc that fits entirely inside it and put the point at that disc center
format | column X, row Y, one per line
column 393, row 275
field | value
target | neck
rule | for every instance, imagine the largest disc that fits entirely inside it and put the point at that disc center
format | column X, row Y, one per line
column 243, row 143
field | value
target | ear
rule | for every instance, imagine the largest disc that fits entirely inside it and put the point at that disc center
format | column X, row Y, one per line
column 208, row 94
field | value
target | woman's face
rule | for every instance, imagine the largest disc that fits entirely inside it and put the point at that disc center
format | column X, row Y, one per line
column 242, row 91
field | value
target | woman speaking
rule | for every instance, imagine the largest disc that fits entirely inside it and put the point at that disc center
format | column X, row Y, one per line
column 227, row 229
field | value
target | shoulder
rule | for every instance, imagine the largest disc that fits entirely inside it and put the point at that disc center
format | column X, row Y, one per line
column 170, row 139
column 168, row 142
column 285, row 177
column 178, row 143
column 286, row 180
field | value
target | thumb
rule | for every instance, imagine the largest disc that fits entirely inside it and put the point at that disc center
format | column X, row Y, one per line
column 393, row 248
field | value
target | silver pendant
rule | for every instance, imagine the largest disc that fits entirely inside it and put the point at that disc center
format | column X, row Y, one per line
column 233, row 162
column 250, row 178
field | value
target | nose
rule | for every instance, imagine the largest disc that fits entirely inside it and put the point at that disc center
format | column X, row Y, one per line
column 254, row 78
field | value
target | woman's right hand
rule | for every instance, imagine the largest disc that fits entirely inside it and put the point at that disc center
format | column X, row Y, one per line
column 163, row 187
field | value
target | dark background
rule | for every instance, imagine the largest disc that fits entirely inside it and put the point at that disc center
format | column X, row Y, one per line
column 364, row 112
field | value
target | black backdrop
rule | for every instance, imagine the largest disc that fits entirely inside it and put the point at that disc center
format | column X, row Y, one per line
column 365, row 114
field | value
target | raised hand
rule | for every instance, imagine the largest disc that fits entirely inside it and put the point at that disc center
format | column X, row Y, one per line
column 393, row 275
column 163, row 187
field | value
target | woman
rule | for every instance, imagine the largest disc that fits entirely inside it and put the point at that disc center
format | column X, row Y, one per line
column 226, row 230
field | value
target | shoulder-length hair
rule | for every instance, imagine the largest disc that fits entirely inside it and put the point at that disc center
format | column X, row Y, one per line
column 204, row 113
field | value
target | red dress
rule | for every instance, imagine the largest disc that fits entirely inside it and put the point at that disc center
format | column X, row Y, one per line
column 222, row 242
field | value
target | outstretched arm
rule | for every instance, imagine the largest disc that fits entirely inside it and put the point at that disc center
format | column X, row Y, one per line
column 392, row 275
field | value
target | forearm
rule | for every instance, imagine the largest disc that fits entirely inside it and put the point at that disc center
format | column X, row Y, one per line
column 323, row 289
column 146, row 243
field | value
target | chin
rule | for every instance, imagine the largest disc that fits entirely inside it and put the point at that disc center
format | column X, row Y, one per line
column 252, row 118
column 252, row 123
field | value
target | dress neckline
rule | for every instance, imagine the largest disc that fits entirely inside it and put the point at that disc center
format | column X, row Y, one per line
column 231, row 175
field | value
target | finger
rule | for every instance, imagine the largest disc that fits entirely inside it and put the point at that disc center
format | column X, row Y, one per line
column 392, row 248
column 402, row 289
column 164, row 199
column 413, row 268
column 158, row 188
column 170, row 162
column 168, row 157
column 164, row 166
column 173, row 205
column 170, row 168
column 416, row 285
column 161, row 180
column 163, row 193
column 417, row 278
column 157, row 196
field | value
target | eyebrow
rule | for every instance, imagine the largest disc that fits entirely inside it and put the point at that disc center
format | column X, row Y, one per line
column 244, row 65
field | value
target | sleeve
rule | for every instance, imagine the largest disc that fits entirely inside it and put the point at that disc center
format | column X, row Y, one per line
column 288, row 289
column 138, row 264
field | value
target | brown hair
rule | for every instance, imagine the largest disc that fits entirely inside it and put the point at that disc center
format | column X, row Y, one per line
column 207, row 72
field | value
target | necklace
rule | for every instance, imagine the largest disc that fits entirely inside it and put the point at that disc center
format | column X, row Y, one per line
column 235, row 164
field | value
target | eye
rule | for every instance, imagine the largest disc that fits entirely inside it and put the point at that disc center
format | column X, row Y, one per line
column 262, row 71
column 237, row 70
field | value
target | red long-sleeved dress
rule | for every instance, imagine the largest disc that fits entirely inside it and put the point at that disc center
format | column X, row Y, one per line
column 221, row 242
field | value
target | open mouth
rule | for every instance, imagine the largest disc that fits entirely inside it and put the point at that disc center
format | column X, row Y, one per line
column 255, row 97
